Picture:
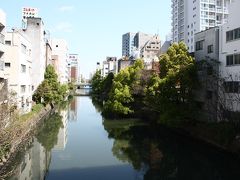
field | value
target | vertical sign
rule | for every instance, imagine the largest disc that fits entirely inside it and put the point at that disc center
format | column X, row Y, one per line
column 29, row 12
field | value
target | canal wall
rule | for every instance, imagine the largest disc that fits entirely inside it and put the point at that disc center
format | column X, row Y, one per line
column 18, row 135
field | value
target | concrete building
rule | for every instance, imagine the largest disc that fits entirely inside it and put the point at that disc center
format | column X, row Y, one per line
column 3, row 82
column 74, row 67
column 230, row 58
column 109, row 66
column 123, row 63
column 35, row 32
column 207, row 57
column 128, row 44
column 60, row 58
column 190, row 17
column 150, row 51
column 18, row 68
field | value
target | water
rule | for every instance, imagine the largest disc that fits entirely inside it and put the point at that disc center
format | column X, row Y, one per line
column 78, row 144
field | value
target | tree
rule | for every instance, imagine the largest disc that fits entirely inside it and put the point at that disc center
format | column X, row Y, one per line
column 171, row 91
column 50, row 91
column 121, row 93
column 96, row 83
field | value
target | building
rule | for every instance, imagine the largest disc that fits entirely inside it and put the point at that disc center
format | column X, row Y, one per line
column 18, row 68
column 60, row 58
column 190, row 17
column 3, row 82
column 150, row 51
column 35, row 32
column 109, row 66
column 207, row 57
column 124, row 63
column 128, row 44
column 230, row 59
column 74, row 67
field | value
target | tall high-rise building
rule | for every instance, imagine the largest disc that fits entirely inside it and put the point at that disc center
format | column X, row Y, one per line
column 191, row 17
column 128, row 44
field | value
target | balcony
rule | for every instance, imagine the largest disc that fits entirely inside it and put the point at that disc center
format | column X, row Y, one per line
column 1, row 64
column 2, row 38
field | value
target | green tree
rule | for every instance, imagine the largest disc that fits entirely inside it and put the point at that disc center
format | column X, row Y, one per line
column 171, row 92
column 121, row 93
column 50, row 91
column 96, row 83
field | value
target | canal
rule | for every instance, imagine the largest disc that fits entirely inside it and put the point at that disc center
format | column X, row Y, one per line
column 77, row 143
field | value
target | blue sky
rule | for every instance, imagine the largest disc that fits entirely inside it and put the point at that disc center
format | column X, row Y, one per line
column 94, row 29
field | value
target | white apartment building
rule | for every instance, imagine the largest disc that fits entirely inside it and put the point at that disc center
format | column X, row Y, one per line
column 3, row 82
column 128, row 44
column 109, row 66
column 230, row 57
column 60, row 58
column 35, row 32
column 150, row 51
column 192, row 16
column 18, row 68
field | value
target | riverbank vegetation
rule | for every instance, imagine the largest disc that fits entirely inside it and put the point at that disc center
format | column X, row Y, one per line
column 49, row 93
column 165, row 95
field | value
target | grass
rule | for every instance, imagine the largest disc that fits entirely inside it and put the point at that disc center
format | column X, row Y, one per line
column 35, row 110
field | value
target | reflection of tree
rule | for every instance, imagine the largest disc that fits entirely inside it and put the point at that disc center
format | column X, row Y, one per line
column 160, row 154
column 48, row 133
column 98, row 103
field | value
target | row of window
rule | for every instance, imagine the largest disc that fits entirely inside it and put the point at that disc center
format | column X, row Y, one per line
column 199, row 46
column 233, row 34
column 233, row 59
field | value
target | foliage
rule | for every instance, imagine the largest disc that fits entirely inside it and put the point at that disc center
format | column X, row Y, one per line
column 48, row 133
column 170, row 92
column 35, row 110
column 96, row 83
column 50, row 91
column 121, row 93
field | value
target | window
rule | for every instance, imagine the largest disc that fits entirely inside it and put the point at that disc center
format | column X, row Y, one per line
column 237, row 33
column 237, row 59
column 199, row 45
column 233, row 59
column 233, row 34
column 210, row 49
column 23, row 88
column 8, row 43
column 23, row 68
column 229, row 36
column 7, row 65
column 232, row 87
column 229, row 60
column 23, row 49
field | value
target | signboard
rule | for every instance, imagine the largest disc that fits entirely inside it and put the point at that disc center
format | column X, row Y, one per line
column 29, row 12
column 73, row 59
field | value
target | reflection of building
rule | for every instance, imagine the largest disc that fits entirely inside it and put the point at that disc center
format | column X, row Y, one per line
column 34, row 164
column 18, row 68
column 73, row 110
column 62, row 134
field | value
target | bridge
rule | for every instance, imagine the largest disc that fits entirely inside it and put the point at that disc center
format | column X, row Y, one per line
column 83, row 86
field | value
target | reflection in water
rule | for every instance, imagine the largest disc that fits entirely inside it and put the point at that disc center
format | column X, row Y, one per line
column 89, row 148
column 163, row 155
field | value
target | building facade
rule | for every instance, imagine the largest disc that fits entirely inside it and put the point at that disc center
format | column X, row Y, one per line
column 60, row 58
column 207, row 58
column 230, row 58
column 191, row 17
column 35, row 32
column 109, row 66
column 74, row 67
column 128, row 44
column 18, row 68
